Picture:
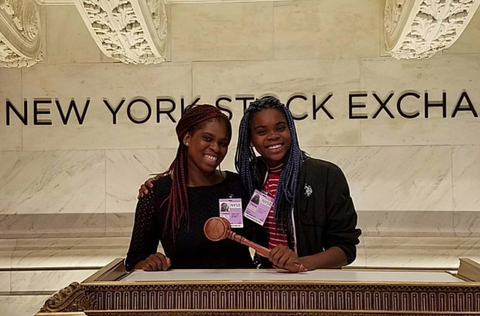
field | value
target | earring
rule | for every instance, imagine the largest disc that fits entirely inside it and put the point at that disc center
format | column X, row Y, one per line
column 186, row 144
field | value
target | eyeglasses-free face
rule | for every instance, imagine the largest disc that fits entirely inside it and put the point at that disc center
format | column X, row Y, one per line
column 270, row 136
column 207, row 146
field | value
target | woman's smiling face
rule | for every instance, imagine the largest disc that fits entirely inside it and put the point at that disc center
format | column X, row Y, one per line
column 270, row 135
column 207, row 146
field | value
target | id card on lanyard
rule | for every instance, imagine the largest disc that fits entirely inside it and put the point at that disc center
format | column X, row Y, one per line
column 231, row 209
column 258, row 207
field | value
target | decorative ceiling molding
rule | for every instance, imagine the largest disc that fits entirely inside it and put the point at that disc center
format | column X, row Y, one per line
column 421, row 28
column 20, row 33
column 130, row 31
column 66, row 2
column 215, row 1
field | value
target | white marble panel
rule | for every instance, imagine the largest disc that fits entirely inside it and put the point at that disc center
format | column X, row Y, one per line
column 68, row 252
column 4, row 281
column 314, row 79
column 420, row 252
column 139, row 87
column 385, row 132
column 21, row 305
column 360, row 261
column 127, row 170
column 10, row 90
column 466, row 172
column 119, row 224
column 59, row 225
column 46, row 280
column 72, row 44
column 317, row 29
column 406, row 223
column 7, row 247
column 228, row 162
column 52, row 182
column 234, row 31
column 450, row 74
column 399, row 178
column 466, row 223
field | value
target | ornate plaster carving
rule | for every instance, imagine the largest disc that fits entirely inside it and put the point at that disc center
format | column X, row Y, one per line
column 20, row 33
column 69, row 299
column 130, row 31
column 420, row 28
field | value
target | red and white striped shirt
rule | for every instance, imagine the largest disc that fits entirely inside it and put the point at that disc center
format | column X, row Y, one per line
column 276, row 235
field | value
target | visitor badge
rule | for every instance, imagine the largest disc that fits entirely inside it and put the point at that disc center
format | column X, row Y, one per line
column 258, row 207
column 231, row 209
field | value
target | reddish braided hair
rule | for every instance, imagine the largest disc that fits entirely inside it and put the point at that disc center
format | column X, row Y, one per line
column 178, row 210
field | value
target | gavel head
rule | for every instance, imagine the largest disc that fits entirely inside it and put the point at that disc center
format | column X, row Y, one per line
column 216, row 228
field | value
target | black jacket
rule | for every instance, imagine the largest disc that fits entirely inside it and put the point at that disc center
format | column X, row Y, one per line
column 324, row 215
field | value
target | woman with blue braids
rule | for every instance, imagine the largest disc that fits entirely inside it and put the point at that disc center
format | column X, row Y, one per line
column 312, row 220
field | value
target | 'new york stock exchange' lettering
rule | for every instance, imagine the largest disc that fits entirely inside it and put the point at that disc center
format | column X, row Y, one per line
column 464, row 104
column 407, row 105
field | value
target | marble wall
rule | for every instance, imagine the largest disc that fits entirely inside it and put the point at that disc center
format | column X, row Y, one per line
column 414, row 181
column 68, row 191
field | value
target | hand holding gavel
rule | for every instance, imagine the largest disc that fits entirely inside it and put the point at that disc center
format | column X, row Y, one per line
column 218, row 228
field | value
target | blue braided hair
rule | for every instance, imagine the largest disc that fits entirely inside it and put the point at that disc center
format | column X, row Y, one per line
column 246, row 161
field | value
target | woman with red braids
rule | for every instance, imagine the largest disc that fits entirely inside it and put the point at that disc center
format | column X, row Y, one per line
column 187, row 194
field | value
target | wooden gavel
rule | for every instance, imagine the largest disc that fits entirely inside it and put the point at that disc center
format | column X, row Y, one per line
column 218, row 228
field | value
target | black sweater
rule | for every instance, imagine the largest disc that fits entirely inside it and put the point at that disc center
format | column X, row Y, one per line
column 190, row 249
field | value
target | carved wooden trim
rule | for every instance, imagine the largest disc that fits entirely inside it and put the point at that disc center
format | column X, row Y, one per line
column 130, row 31
column 69, row 299
column 20, row 33
column 286, row 297
column 420, row 28
column 266, row 313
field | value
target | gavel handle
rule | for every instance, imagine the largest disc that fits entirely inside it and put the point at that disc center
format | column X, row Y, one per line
column 262, row 251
